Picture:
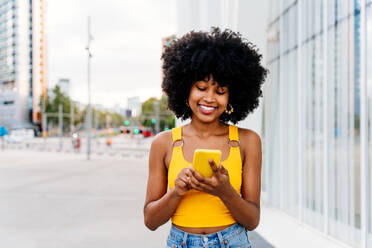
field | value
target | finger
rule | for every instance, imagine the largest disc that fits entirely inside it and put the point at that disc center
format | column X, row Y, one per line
column 194, row 185
column 205, row 188
column 191, row 170
column 194, row 181
column 201, row 186
column 198, row 176
column 202, row 180
column 223, row 170
column 189, row 186
column 182, row 184
column 213, row 165
column 188, row 172
column 184, row 179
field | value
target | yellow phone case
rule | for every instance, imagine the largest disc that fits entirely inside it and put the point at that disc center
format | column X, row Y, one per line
column 200, row 162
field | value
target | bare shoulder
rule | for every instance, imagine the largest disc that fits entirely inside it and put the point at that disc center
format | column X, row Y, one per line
column 251, row 148
column 249, row 137
column 162, row 141
column 250, row 144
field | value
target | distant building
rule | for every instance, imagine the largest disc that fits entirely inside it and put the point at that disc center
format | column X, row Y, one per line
column 22, row 62
column 128, row 113
column 64, row 85
column 99, row 107
column 135, row 105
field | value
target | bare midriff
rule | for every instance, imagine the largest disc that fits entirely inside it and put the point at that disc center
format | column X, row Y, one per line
column 202, row 230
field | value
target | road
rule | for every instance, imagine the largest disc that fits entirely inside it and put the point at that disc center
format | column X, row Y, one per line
column 58, row 199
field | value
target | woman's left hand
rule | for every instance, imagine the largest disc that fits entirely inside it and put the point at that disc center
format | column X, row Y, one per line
column 217, row 185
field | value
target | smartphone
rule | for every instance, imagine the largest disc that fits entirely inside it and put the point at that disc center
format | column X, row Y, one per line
column 200, row 162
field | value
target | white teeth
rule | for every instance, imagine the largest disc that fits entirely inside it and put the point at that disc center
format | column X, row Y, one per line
column 206, row 108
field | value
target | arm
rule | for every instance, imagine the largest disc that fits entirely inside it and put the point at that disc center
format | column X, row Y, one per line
column 160, row 204
column 245, row 209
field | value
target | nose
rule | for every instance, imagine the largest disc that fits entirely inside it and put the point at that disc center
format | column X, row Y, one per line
column 209, row 95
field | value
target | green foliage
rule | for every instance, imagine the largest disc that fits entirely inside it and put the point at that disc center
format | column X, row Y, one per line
column 100, row 119
column 148, row 114
column 52, row 105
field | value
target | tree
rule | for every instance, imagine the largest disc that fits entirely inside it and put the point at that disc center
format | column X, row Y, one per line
column 148, row 113
column 58, row 97
column 52, row 105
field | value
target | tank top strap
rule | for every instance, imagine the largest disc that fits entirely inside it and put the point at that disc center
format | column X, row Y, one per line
column 177, row 133
column 233, row 133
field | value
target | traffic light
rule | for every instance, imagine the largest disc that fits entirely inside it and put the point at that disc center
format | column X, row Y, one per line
column 153, row 121
column 126, row 122
column 136, row 131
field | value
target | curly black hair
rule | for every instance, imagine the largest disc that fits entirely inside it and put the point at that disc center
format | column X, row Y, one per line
column 231, row 60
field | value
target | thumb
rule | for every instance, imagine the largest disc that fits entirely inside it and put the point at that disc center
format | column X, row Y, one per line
column 223, row 170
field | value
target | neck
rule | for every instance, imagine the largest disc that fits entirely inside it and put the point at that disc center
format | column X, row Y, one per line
column 206, row 129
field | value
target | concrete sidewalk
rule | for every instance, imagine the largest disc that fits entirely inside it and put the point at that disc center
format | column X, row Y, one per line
column 57, row 200
column 284, row 231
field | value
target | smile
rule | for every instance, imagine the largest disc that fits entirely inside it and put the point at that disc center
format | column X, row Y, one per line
column 206, row 109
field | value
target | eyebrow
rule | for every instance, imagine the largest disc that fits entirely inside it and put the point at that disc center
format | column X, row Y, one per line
column 214, row 82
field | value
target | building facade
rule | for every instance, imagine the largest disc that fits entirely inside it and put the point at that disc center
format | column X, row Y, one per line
column 22, row 62
column 134, row 105
column 64, row 85
column 317, row 120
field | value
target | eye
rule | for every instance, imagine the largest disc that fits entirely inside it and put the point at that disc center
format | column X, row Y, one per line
column 201, row 88
column 220, row 91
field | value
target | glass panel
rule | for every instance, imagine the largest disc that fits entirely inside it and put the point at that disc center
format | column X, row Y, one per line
column 343, row 114
column 273, row 133
column 343, row 129
column 274, row 11
column 369, row 126
column 312, row 71
column 288, row 62
column 292, row 135
column 354, row 172
column 332, row 132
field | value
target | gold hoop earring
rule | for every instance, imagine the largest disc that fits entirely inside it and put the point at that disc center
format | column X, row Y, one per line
column 229, row 111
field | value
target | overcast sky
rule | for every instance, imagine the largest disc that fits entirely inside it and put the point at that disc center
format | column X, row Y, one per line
column 126, row 48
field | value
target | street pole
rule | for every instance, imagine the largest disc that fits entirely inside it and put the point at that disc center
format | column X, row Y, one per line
column 95, row 124
column 60, row 125
column 157, row 129
column 72, row 118
column 44, row 123
column 89, row 110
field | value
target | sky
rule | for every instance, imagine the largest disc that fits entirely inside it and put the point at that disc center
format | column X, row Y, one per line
column 126, row 48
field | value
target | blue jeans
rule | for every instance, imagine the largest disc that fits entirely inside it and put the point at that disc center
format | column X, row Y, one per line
column 234, row 236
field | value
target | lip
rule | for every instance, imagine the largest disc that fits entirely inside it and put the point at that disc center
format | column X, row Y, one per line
column 206, row 112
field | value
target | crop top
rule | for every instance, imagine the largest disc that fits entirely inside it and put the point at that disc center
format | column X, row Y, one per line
column 199, row 209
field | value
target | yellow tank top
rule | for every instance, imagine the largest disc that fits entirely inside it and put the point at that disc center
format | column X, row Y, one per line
column 199, row 209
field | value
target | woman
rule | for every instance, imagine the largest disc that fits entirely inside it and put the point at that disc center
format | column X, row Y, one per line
column 213, row 78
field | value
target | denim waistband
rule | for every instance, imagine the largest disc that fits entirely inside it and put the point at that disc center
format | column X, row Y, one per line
column 219, row 237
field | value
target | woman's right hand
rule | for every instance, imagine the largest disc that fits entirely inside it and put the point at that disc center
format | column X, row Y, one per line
column 182, row 182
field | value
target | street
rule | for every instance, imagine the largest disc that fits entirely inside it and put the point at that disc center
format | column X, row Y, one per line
column 51, row 199
column 62, row 200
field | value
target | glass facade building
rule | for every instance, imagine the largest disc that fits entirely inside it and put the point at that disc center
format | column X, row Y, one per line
column 317, row 116
column 22, row 61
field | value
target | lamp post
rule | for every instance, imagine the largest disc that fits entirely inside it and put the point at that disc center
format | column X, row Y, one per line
column 89, row 109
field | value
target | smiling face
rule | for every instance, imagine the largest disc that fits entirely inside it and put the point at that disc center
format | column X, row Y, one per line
column 208, row 100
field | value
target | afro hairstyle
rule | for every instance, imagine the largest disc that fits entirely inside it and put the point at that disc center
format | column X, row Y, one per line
column 232, row 61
